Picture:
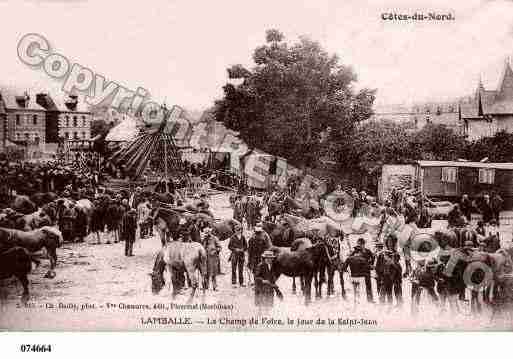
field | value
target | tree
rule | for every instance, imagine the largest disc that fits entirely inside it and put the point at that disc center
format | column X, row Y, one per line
column 377, row 143
column 498, row 148
column 289, row 99
column 438, row 142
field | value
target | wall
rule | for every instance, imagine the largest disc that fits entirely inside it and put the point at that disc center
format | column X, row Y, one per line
column 26, row 125
column 395, row 176
column 82, row 128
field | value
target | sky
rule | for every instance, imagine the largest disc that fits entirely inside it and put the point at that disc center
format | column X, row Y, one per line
column 179, row 50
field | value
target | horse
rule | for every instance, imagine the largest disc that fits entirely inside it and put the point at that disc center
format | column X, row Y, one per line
column 226, row 228
column 17, row 262
column 301, row 263
column 23, row 204
column 167, row 222
column 42, row 198
column 85, row 209
column 180, row 257
column 46, row 237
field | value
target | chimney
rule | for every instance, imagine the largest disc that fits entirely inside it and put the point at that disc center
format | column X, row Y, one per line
column 72, row 102
column 41, row 100
column 23, row 101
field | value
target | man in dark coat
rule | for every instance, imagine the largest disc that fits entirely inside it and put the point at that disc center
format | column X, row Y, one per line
column 389, row 269
column 238, row 246
column 466, row 207
column 265, row 281
column 486, row 209
column 357, row 203
column 128, row 230
column 367, row 253
column 257, row 244
column 496, row 205
column 360, row 267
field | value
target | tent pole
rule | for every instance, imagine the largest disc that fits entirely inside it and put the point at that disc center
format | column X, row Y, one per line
column 165, row 162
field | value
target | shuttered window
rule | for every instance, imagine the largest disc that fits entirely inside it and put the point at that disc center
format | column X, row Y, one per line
column 449, row 174
column 486, row 175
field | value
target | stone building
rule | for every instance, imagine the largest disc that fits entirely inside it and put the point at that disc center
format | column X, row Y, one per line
column 24, row 120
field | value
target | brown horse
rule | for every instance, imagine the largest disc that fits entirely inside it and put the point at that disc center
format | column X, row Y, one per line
column 167, row 222
column 301, row 263
column 46, row 237
column 17, row 262
column 179, row 258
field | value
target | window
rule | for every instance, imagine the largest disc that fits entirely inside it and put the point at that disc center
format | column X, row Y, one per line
column 84, row 123
column 66, row 134
column 67, row 121
column 486, row 175
column 18, row 120
column 83, row 135
column 449, row 174
column 34, row 119
column 75, row 123
column 27, row 136
column 75, row 135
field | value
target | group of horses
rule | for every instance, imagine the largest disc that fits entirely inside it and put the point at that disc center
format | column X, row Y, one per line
column 318, row 247
column 25, row 229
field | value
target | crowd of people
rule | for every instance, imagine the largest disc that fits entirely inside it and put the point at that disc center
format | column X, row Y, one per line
column 130, row 215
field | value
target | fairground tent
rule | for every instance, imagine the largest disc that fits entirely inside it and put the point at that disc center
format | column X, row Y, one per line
column 125, row 131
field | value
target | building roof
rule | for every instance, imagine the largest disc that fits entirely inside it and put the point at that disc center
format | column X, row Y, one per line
column 60, row 102
column 9, row 96
column 493, row 102
column 499, row 166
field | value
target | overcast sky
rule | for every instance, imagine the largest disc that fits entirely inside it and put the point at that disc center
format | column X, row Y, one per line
column 179, row 50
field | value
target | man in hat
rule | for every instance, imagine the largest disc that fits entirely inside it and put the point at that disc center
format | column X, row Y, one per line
column 182, row 231
column 367, row 253
column 265, row 281
column 257, row 244
column 360, row 267
column 213, row 248
column 379, row 275
column 135, row 198
column 238, row 245
column 389, row 269
column 486, row 209
column 128, row 229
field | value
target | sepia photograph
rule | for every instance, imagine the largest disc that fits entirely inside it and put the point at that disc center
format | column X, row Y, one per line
column 269, row 166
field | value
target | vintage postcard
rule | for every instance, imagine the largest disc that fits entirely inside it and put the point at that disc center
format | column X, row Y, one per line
column 256, row 166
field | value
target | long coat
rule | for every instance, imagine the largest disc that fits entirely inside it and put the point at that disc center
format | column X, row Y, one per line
column 212, row 247
column 257, row 244
column 264, row 292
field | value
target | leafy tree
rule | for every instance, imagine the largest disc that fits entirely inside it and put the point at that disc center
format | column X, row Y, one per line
column 498, row 148
column 290, row 98
column 438, row 142
column 378, row 143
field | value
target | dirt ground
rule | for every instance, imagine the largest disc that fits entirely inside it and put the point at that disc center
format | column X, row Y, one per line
column 98, row 288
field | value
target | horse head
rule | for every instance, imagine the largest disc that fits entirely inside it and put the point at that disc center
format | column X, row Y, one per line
column 321, row 252
column 157, row 275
